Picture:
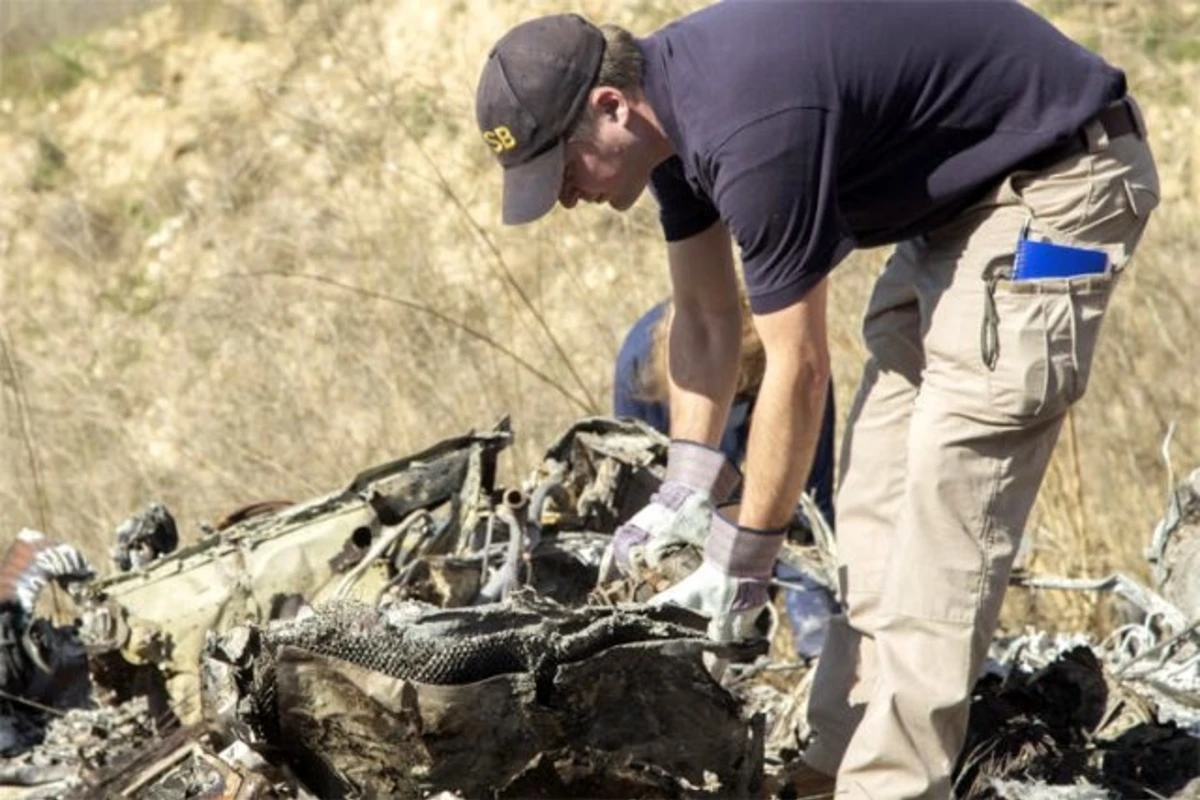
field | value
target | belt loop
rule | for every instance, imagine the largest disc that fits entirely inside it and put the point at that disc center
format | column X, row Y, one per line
column 1097, row 136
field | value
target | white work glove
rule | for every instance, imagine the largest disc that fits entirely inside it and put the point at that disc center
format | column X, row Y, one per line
column 678, row 514
column 731, row 586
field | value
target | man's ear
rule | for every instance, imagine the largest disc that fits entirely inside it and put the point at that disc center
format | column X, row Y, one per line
column 609, row 103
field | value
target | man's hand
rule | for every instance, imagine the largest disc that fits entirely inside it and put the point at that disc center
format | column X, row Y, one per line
column 680, row 512
column 731, row 586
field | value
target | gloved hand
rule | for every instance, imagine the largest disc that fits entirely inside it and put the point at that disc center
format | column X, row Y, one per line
column 731, row 586
column 679, row 513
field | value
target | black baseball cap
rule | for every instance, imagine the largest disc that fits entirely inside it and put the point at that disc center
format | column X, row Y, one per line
column 534, row 86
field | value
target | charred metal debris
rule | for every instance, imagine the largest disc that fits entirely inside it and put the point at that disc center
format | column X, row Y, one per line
column 428, row 632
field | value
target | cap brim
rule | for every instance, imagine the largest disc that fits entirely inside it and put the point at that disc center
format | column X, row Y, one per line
column 531, row 189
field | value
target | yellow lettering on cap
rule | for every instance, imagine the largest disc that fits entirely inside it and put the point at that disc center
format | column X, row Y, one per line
column 500, row 138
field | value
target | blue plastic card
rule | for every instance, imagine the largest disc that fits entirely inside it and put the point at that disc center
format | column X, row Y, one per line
column 1043, row 260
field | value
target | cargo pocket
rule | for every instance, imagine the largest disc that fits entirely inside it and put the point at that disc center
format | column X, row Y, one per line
column 1039, row 339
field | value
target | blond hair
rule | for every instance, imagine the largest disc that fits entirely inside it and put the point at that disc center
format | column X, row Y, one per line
column 653, row 382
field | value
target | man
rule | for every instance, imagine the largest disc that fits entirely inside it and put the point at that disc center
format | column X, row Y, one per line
column 1011, row 171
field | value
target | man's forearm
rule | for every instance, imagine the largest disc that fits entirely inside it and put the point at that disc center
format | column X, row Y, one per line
column 789, row 410
column 783, row 439
column 703, row 352
column 706, row 335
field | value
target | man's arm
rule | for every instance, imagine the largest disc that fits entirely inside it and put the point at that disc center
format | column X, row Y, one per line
column 704, row 346
column 789, row 409
column 776, row 185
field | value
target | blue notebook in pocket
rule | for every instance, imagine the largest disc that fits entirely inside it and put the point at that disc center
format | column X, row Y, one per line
column 1042, row 260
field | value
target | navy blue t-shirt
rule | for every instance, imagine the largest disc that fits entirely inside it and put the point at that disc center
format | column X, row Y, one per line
column 811, row 127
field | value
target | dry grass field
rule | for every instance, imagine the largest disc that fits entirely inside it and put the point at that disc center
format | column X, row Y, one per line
column 251, row 248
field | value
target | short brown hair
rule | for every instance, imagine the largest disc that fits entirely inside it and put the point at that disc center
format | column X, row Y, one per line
column 622, row 67
column 623, row 63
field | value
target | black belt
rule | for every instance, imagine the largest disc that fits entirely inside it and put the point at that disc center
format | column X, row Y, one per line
column 1117, row 119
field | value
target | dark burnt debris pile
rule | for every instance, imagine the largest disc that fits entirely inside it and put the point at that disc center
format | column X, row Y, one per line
column 428, row 632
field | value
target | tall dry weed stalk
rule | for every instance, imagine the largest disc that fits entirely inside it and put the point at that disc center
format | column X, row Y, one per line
column 12, row 380
column 251, row 249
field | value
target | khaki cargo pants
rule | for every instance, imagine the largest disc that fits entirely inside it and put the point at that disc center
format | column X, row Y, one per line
column 943, row 457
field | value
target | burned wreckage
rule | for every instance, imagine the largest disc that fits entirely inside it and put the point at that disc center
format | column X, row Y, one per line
column 428, row 632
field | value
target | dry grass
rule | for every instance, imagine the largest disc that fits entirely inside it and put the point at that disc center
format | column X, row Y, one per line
column 252, row 248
